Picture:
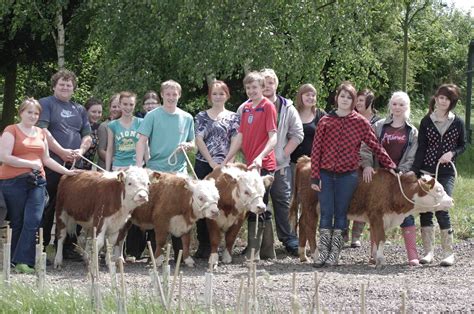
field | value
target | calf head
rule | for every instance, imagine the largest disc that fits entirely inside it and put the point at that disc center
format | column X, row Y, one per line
column 204, row 198
column 136, row 184
column 250, row 189
column 431, row 196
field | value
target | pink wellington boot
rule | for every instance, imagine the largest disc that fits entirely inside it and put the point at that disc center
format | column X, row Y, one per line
column 409, row 236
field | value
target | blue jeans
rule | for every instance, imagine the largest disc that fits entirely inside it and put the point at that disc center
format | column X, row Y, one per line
column 25, row 204
column 335, row 196
column 426, row 219
column 408, row 222
column 280, row 193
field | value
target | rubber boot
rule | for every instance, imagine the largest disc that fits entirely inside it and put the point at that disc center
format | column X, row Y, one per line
column 254, row 241
column 337, row 243
column 427, row 236
column 447, row 245
column 325, row 236
column 409, row 236
column 357, row 228
column 267, row 250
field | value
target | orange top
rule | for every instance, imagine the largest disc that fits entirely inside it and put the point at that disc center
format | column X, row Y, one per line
column 25, row 147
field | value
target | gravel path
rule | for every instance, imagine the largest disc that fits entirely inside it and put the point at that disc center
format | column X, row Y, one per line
column 428, row 289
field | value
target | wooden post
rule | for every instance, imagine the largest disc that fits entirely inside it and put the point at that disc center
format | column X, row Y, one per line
column 94, row 273
column 166, row 270
column 175, row 277
column 294, row 298
column 6, row 257
column 156, row 278
column 363, row 308
column 123, row 292
column 403, row 308
column 316, row 308
column 208, row 290
column 239, row 296
column 180, row 290
column 40, row 262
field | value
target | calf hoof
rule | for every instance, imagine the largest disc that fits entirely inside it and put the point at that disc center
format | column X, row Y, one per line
column 226, row 257
column 302, row 254
column 189, row 262
column 214, row 260
column 379, row 263
column 130, row 259
column 159, row 260
column 58, row 264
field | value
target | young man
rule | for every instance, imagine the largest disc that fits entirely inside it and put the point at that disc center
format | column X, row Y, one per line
column 289, row 136
column 257, row 137
column 166, row 129
column 68, row 137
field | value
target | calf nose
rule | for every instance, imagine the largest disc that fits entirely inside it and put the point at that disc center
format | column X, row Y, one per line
column 142, row 197
column 261, row 208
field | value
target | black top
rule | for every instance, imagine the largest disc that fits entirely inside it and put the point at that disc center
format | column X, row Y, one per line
column 309, row 130
column 431, row 145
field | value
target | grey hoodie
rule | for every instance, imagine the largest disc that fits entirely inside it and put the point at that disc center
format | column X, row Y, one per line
column 409, row 151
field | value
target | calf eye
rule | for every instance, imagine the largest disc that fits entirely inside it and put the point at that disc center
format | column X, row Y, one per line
column 129, row 183
column 247, row 193
column 201, row 198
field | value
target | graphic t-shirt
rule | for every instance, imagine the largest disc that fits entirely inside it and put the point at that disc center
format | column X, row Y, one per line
column 125, row 142
column 255, row 123
column 394, row 140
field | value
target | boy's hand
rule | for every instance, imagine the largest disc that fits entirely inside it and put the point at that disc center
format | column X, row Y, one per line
column 316, row 187
column 367, row 174
column 257, row 163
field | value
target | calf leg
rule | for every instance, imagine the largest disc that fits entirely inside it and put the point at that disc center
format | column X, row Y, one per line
column 61, row 236
column 188, row 260
column 302, row 238
column 119, row 242
column 160, row 238
column 230, row 237
column 378, row 233
column 215, row 239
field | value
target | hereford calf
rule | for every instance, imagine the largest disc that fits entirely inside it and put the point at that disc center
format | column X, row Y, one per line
column 380, row 203
column 241, row 191
column 176, row 202
column 306, row 198
column 98, row 199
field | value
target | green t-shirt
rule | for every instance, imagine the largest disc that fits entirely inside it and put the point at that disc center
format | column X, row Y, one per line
column 165, row 131
column 125, row 142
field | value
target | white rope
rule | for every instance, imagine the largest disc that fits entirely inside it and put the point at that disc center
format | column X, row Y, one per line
column 173, row 160
column 436, row 178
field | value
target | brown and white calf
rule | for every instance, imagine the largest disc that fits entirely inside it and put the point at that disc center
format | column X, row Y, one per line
column 176, row 203
column 103, row 200
column 380, row 203
column 306, row 198
column 241, row 191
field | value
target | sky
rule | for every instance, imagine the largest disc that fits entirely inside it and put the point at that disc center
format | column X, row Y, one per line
column 465, row 5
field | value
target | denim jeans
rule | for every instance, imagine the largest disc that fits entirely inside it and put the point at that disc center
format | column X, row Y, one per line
column 280, row 193
column 25, row 204
column 335, row 196
column 426, row 219
column 408, row 222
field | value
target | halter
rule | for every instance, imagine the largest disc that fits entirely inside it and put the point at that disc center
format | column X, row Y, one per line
column 421, row 186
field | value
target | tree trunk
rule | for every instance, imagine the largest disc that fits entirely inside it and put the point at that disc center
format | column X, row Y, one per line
column 60, row 38
column 405, row 58
column 9, row 95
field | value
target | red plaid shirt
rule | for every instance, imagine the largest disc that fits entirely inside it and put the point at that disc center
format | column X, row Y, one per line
column 337, row 143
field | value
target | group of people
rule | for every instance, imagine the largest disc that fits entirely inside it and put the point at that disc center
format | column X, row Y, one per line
column 269, row 130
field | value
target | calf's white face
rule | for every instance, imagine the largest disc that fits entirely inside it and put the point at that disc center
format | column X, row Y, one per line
column 251, row 189
column 205, row 197
column 436, row 199
column 137, row 184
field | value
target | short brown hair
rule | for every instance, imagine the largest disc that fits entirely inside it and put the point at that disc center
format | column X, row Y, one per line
column 218, row 84
column 170, row 84
column 369, row 98
column 151, row 95
column 254, row 77
column 66, row 75
column 30, row 101
column 348, row 87
column 127, row 94
column 451, row 91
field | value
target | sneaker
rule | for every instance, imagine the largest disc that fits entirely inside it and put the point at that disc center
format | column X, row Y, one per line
column 292, row 250
column 24, row 269
column 355, row 244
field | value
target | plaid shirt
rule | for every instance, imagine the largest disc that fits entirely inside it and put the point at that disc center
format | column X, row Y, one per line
column 336, row 145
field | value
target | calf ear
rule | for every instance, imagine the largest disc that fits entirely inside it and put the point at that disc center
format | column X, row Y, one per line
column 121, row 176
column 154, row 176
column 267, row 181
column 228, row 178
column 410, row 176
column 189, row 184
column 431, row 183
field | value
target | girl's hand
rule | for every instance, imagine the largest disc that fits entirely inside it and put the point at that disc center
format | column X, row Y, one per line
column 73, row 172
column 316, row 187
column 36, row 164
column 446, row 157
column 367, row 174
column 213, row 164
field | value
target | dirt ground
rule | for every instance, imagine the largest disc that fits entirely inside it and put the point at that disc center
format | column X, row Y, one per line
column 428, row 289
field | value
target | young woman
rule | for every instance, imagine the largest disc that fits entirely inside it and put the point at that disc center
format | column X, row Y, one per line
column 94, row 112
column 400, row 139
column 334, row 163
column 151, row 100
column 122, row 135
column 215, row 128
column 24, row 153
column 364, row 106
column 441, row 140
column 114, row 113
column 310, row 115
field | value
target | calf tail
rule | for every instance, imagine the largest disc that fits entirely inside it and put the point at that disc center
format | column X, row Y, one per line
column 293, row 213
